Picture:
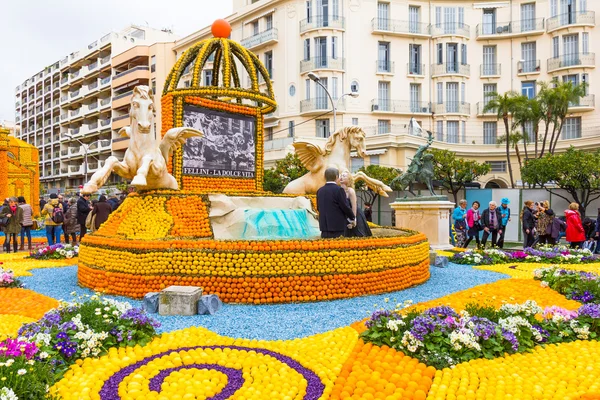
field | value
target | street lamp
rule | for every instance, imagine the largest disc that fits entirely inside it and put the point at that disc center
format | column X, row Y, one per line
column 86, row 149
column 334, row 104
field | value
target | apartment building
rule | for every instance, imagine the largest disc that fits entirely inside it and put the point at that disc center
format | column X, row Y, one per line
column 436, row 61
column 75, row 106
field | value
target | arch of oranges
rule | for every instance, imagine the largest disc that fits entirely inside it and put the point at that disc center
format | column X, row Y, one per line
column 163, row 238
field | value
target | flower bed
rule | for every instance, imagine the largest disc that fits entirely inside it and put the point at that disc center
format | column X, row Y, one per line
column 543, row 254
column 20, row 263
column 57, row 251
column 8, row 279
column 577, row 285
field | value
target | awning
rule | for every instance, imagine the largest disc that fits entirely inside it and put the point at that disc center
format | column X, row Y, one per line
column 493, row 4
column 271, row 124
column 370, row 152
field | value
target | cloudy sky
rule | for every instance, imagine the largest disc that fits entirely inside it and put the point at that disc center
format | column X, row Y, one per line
column 37, row 33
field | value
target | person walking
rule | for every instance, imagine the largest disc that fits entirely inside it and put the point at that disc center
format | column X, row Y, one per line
column 53, row 211
column 473, row 218
column 505, row 214
column 575, row 232
column 460, row 223
column 83, row 209
column 15, row 218
column 334, row 212
column 71, row 225
column 492, row 224
column 528, row 222
column 101, row 211
column 27, row 223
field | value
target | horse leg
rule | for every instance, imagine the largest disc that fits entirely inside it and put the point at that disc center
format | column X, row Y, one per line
column 142, row 172
column 375, row 185
column 112, row 164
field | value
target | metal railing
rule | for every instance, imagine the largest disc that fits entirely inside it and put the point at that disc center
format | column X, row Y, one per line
column 397, row 26
column 322, row 63
column 92, row 66
column 450, row 69
column 451, row 29
column 75, row 74
column 571, row 60
column 64, row 98
column 120, row 117
column 528, row 66
column 93, row 85
column 93, row 126
column 138, row 68
column 104, row 60
column 452, row 107
column 120, row 96
column 75, row 93
column 105, row 101
column 400, row 106
column 587, row 101
column 415, row 69
column 322, row 21
column 490, row 69
column 64, row 80
column 510, row 28
column 574, row 18
column 93, row 106
column 104, row 122
column 106, row 80
column 74, row 113
column 260, row 38
column 319, row 103
column 481, row 107
column 384, row 66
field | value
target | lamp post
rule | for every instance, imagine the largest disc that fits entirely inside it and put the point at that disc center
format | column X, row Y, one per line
column 86, row 149
column 314, row 77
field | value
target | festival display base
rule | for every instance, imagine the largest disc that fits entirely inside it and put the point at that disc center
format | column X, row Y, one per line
column 160, row 239
column 430, row 217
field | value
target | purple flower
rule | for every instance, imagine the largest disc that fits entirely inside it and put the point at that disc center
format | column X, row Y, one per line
column 509, row 336
column 544, row 333
column 66, row 347
column 586, row 297
column 483, row 327
column 591, row 310
column 376, row 317
column 138, row 316
column 62, row 335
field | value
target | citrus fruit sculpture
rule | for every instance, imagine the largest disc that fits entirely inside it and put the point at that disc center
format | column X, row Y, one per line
column 163, row 237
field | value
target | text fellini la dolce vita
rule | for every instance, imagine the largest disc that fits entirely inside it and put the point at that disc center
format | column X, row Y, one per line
column 217, row 172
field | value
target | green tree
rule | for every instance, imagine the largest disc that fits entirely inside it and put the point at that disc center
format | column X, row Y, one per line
column 454, row 172
column 577, row 172
column 530, row 112
column 286, row 170
column 504, row 105
column 384, row 174
column 566, row 95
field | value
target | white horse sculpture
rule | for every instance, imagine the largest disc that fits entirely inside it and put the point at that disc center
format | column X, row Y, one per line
column 145, row 161
column 335, row 154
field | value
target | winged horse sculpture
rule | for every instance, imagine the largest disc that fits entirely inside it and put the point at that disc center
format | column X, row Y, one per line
column 145, row 161
column 335, row 154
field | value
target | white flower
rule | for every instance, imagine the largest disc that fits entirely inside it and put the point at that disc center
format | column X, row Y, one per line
column 513, row 324
column 10, row 362
column 544, row 284
column 582, row 332
column 30, row 362
column 22, row 371
column 43, row 355
column 393, row 324
column 410, row 342
column 7, row 394
column 464, row 337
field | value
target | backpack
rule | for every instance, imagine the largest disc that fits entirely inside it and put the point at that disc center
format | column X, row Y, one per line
column 57, row 215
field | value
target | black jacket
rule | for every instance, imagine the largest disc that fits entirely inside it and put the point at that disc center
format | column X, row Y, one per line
column 485, row 218
column 333, row 208
column 83, row 209
column 528, row 219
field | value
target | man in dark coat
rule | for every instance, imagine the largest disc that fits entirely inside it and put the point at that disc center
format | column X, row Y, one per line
column 368, row 212
column 65, row 206
column 83, row 209
column 334, row 211
column 114, row 202
column 492, row 223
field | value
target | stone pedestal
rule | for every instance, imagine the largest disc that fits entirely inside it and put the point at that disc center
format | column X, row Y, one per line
column 432, row 217
column 179, row 300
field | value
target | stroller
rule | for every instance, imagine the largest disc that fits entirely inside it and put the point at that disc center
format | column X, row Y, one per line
column 589, row 227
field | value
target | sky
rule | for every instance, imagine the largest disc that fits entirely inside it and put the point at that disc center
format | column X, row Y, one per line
column 37, row 33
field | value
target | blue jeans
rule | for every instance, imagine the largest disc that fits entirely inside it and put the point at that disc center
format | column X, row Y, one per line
column 25, row 231
column 52, row 232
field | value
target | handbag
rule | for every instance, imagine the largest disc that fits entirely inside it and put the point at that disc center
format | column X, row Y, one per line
column 4, row 222
column 35, row 226
column 89, row 220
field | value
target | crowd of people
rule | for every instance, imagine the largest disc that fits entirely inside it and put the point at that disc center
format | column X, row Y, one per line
column 68, row 219
column 539, row 224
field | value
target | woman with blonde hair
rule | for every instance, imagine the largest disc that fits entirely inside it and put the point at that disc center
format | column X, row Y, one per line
column 359, row 227
column 575, row 232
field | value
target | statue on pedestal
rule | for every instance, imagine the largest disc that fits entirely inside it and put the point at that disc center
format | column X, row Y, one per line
column 145, row 161
column 420, row 170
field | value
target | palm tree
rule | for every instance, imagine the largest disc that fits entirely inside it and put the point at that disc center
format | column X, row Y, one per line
column 547, row 101
column 504, row 105
column 567, row 94
column 514, row 139
column 530, row 112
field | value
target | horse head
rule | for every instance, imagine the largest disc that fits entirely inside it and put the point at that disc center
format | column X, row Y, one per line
column 355, row 136
column 142, row 110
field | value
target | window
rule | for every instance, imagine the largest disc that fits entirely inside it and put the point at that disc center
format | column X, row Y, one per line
column 383, row 16
column 306, row 49
column 463, row 92
column 555, row 47
column 269, row 63
column 438, row 17
column 383, row 126
column 528, row 89
column 489, row 61
column 463, row 54
column 383, row 96
column 490, row 132
column 463, row 126
column 585, row 42
column 208, row 74
column 269, row 22
column 323, row 12
column 354, row 87
column 355, row 121
column 449, row 20
column 528, row 53
column 527, row 17
column 321, row 51
column 582, row 6
column 307, row 89
column 153, row 64
column 414, row 19
column 383, row 60
column 335, row 10
column 461, row 17
column 269, row 133
column 553, row 8
column 374, row 160
column 497, row 166
column 451, row 57
column 334, row 47
column 452, row 97
column 452, row 136
column 440, row 131
column 309, row 11
column 489, row 21
column 321, row 95
column 572, row 128
column 255, row 27
column 334, row 87
column 291, row 129
column 323, row 128
column 528, row 131
column 488, row 89
column 153, row 86
column 440, row 93
column 585, row 81
column 415, row 98
column 414, row 54
column 292, row 90
column 356, row 163
column 570, row 50
column 440, row 53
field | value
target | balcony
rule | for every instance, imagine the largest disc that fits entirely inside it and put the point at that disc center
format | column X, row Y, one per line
column 481, row 106
column 451, row 29
column 104, row 60
column 528, row 67
column 585, row 103
column 384, row 67
column 75, row 94
column 64, row 153
column 105, row 102
column 490, row 70
column 64, row 99
column 260, row 39
column 405, row 107
column 64, row 116
column 319, row 104
column 75, row 113
column 122, row 99
column 585, row 18
column 93, row 85
column 120, row 121
column 317, row 63
column 450, row 69
column 75, row 131
column 417, row 70
column 452, row 107
column 400, row 28
column 139, row 72
column 64, row 80
column 64, row 171
column 129, row 71
column 105, row 81
column 75, row 75
column 92, row 66
column 278, row 144
column 92, row 127
column 322, row 22
column 76, row 169
column 575, row 60
column 503, row 30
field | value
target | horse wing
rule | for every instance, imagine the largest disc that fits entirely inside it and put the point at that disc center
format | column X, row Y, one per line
column 311, row 156
column 175, row 137
column 125, row 132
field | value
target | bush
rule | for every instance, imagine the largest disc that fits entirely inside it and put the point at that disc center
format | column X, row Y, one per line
column 575, row 285
column 57, row 251
column 550, row 254
column 8, row 280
